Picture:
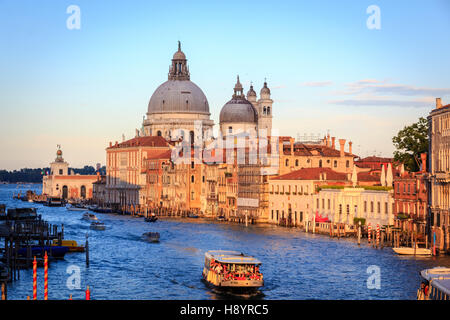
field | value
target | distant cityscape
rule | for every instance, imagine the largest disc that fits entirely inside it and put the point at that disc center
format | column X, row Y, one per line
column 29, row 175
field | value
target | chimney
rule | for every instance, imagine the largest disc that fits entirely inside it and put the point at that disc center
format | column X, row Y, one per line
column 333, row 142
column 291, row 140
column 438, row 103
column 423, row 156
column 342, row 145
column 350, row 146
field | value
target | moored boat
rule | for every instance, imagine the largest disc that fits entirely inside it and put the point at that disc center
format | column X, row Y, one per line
column 412, row 251
column 54, row 202
column 435, row 284
column 75, row 207
column 21, row 214
column 71, row 244
column 192, row 215
column 151, row 219
column 232, row 270
column 52, row 251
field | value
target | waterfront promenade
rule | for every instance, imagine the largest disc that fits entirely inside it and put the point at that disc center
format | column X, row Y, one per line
column 296, row 265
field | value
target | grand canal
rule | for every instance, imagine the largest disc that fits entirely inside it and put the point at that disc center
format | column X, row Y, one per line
column 295, row 265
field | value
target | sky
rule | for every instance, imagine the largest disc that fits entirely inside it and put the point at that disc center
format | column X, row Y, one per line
column 327, row 70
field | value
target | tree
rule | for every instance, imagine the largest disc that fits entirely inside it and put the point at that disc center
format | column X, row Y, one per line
column 410, row 142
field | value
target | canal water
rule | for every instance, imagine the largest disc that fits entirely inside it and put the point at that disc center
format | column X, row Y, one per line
column 295, row 265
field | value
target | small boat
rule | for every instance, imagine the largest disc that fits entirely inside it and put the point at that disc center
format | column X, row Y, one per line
column 75, row 207
column 232, row 270
column 89, row 216
column 411, row 251
column 152, row 218
column 52, row 251
column 192, row 215
column 151, row 236
column 221, row 218
column 71, row 244
column 435, row 284
column 54, row 202
column 97, row 225
column 102, row 210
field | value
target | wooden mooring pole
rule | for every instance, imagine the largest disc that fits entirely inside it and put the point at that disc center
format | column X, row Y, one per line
column 87, row 250
column 359, row 232
column 4, row 296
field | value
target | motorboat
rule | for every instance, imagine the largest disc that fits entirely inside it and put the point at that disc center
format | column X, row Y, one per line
column 152, row 218
column 151, row 236
column 221, row 218
column 435, row 284
column 89, row 216
column 97, row 225
column 192, row 215
column 75, row 207
column 232, row 270
column 411, row 251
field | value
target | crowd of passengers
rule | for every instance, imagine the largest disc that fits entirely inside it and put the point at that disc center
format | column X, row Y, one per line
column 232, row 271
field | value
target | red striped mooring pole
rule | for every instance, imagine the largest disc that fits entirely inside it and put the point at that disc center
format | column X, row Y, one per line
column 88, row 294
column 370, row 231
column 45, row 276
column 34, row 279
column 378, row 234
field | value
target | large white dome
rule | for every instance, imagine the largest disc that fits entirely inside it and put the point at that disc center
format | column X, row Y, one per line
column 178, row 96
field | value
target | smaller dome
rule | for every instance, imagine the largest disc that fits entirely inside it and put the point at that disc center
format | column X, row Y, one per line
column 264, row 89
column 251, row 92
column 238, row 111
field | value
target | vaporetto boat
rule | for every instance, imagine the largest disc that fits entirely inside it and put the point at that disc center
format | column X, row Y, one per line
column 232, row 270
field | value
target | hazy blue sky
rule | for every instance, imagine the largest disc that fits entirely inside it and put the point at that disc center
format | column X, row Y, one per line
column 326, row 69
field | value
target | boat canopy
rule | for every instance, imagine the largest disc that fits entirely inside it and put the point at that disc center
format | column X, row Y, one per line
column 236, row 257
column 439, row 278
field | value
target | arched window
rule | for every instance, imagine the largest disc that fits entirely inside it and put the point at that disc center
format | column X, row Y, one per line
column 192, row 179
column 83, row 192
column 65, row 192
column 296, row 162
column 264, row 110
column 287, row 162
column 268, row 111
column 158, row 133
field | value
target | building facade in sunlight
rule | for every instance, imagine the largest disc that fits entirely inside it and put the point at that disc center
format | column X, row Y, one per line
column 439, row 169
column 60, row 183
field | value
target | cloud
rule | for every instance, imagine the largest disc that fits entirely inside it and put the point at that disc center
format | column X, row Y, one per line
column 416, row 103
column 317, row 84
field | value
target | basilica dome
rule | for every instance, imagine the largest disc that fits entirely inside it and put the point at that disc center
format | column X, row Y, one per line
column 238, row 109
column 180, row 96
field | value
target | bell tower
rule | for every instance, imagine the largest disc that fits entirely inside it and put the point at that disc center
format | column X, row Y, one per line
column 264, row 106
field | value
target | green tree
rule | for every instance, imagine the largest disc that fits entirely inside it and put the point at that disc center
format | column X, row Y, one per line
column 410, row 142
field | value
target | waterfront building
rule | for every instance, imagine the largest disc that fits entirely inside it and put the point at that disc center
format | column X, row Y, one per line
column 296, row 155
column 411, row 199
column 60, row 183
column 125, row 171
column 343, row 205
column 439, row 175
column 296, row 197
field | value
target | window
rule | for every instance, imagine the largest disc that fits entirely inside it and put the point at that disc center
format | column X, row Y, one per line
column 192, row 179
column 268, row 111
column 335, row 163
column 348, row 209
column 296, row 163
column 409, row 188
column 272, row 214
column 329, row 204
column 371, row 206
column 378, row 207
column 365, row 206
column 323, row 203
column 317, row 204
column 60, row 171
column 320, row 163
column 203, row 179
column 192, row 165
column 347, row 164
column 158, row 133
column 287, row 162
column 230, row 129
column 340, row 209
column 385, row 207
